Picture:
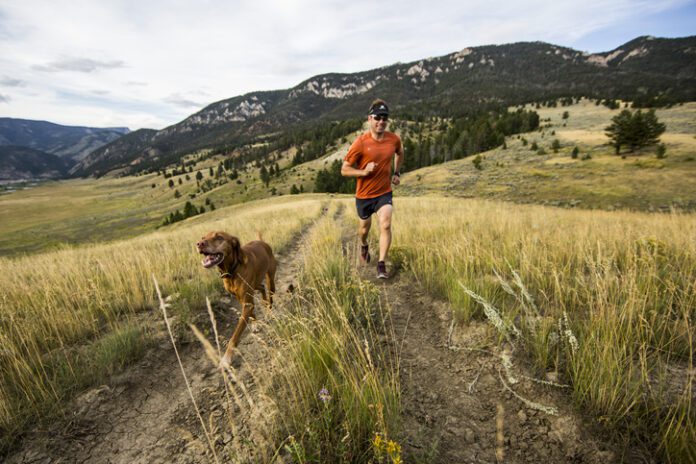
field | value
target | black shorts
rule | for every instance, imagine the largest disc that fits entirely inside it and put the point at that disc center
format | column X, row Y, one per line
column 369, row 206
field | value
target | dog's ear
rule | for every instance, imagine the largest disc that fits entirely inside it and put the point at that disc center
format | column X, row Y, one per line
column 235, row 246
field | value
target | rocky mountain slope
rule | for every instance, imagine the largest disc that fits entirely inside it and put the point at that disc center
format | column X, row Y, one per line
column 648, row 69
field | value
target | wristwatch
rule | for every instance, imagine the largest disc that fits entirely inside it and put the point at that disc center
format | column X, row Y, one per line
column 396, row 173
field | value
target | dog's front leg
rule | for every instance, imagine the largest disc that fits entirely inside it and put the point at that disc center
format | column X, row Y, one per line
column 247, row 302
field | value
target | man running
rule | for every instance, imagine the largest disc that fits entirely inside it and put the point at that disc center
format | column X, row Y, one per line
column 369, row 159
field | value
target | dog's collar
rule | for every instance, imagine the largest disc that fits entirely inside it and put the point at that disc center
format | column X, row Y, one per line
column 230, row 273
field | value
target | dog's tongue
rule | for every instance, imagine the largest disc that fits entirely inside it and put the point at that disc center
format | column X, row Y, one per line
column 209, row 261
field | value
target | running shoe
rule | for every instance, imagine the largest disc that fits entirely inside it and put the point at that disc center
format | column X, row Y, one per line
column 382, row 270
column 364, row 253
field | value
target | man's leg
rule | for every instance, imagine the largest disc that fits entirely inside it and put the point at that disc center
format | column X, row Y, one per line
column 384, row 214
column 364, row 229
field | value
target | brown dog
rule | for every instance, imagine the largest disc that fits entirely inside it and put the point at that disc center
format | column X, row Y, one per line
column 243, row 269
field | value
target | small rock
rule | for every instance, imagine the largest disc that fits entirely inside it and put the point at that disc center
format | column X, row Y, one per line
column 469, row 436
column 522, row 416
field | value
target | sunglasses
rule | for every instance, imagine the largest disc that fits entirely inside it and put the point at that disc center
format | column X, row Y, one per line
column 380, row 117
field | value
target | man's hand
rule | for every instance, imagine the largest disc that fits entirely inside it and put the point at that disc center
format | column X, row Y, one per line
column 396, row 180
column 369, row 169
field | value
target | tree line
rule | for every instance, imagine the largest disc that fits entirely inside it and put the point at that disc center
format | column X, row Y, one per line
column 447, row 141
column 466, row 136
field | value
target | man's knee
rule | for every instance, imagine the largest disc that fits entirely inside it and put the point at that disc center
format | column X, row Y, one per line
column 385, row 217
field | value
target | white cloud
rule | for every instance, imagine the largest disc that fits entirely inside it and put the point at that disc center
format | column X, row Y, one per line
column 85, row 65
column 162, row 60
column 11, row 82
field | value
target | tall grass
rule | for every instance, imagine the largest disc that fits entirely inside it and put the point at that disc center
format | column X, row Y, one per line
column 69, row 317
column 623, row 285
column 333, row 386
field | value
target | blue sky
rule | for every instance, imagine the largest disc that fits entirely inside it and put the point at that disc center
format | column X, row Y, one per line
column 151, row 64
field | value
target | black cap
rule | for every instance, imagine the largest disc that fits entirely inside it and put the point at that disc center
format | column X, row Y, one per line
column 379, row 108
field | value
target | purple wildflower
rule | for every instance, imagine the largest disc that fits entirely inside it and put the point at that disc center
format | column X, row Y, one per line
column 324, row 395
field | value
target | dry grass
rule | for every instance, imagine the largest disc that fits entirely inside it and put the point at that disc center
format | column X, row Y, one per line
column 338, row 387
column 623, row 285
column 69, row 317
column 327, row 387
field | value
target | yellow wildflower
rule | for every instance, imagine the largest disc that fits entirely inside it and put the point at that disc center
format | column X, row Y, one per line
column 377, row 441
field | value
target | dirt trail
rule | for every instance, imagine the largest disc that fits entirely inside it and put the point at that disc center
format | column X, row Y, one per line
column 454, row 400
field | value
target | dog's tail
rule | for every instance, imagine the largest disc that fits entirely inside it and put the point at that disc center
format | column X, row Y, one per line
column 258, row 234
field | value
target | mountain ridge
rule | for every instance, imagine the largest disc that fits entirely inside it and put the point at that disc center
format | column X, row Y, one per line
column 645, row 69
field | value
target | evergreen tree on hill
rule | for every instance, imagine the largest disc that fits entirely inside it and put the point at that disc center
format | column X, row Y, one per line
column 634, row 130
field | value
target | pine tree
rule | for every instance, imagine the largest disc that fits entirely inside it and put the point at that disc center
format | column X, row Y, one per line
column 189, row 210
column 265, row 175
column 635, row 130
column 619, row 129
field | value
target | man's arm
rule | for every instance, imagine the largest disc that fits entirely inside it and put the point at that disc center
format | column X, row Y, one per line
column 398, row 161
column 348, row 170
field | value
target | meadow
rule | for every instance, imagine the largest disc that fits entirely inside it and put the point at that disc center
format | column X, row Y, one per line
column 600, row 298
column 603, row 301
column 529, row 170
column 70, row 318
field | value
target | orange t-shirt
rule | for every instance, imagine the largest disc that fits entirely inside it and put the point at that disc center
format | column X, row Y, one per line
column 365, row 149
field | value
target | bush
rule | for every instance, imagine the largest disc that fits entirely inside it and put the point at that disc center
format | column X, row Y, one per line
column 661, row 151
column 477, row 162
column 555, row 145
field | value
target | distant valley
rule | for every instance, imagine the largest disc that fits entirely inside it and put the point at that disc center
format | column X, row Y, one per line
column 40, row 149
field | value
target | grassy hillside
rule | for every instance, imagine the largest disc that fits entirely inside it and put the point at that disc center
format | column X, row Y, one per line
column 71, row 317
column 597, row 178
column 600, row 301
column 93, row 211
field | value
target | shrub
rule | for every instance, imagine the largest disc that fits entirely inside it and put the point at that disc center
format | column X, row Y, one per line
column 555, row 145
column 477, row 162
column 661, row 151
